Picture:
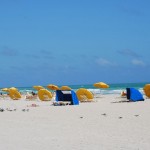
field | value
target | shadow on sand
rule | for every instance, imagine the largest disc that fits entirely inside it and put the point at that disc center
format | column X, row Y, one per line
column 122, row 101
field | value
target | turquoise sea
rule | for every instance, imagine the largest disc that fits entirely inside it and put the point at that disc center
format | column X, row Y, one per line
column 114, row 88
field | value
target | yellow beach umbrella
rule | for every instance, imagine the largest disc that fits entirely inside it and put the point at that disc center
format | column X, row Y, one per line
column 147, row 90
column 5, row 89
column 38, row 87
column 101, row 85
column 13, row 88
column 53, row 87
column 44, row 95
column 14, row 93
column 65, row 88
column 84, row 94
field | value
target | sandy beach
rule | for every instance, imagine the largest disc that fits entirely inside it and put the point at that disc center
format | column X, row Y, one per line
column 56, row 57
column 106, row 124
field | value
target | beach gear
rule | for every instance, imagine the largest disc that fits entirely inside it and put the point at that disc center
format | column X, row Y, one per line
column 84, row 95
column 134, row 95
column 147, row 90
column 61, row 103
column 44, row 95
column 101, row 85
column 38, row 87
column 53, row 87
column 67, row 88
column 67, row 96
column 14, row 93
column 5, row 89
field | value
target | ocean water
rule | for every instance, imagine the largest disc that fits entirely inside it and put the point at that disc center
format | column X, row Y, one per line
column 113, row 89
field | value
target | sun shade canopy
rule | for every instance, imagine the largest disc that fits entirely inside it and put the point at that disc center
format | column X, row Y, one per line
column 101, row 85
column 38, row 87
column 84, row 94
column 44, row 95
column 65, row 88
column 53, row 87
column 147, row 90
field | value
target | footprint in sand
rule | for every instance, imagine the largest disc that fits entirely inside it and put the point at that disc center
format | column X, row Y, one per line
column 120, row 117
column 104, row 114
column 25, row 110
column 1, row 109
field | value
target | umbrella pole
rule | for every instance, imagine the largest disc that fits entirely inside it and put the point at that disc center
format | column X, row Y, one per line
column 99, row 91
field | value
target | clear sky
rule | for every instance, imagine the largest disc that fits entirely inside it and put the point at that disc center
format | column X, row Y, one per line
column 67, row 42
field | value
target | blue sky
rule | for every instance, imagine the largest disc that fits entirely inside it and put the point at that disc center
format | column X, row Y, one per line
column 74, row 42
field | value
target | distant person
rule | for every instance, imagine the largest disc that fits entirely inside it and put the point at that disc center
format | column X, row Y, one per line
column 124, row 94
column 33, row 93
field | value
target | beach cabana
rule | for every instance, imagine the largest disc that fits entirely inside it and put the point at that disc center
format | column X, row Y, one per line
column 67, row 96
column 134, row 95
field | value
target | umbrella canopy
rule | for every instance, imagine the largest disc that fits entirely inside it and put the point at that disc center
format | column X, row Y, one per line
column 14, row 93
column 13, row 88
column 8, row 89
column 5, row 89
column 84, row 94
column 65, row 88
column 53, row 87
column 38, row 87
column 101, row 85
column 147, row 90
column 44, row 95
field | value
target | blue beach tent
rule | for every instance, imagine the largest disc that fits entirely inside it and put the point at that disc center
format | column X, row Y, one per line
column 67, row 96
column 134, row 95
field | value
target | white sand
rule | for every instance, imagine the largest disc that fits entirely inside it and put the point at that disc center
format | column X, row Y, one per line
column 83, row 127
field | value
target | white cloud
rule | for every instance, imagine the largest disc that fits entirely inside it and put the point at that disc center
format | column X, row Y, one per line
column 129, row 52
column 138, row 62
column 104, row 62
column 6, row 51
